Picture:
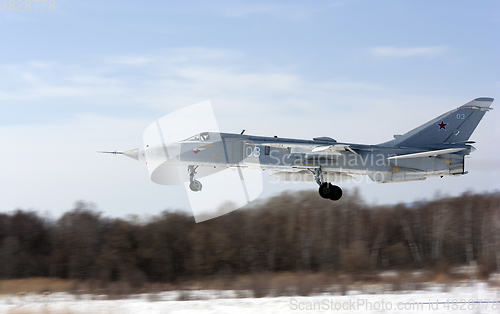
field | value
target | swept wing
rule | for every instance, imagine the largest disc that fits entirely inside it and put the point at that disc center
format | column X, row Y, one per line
column 428, row 153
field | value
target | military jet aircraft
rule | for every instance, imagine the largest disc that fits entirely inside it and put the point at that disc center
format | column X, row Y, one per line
column 436, row 148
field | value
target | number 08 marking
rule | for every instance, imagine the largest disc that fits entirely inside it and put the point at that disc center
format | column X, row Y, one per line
column 460, row 116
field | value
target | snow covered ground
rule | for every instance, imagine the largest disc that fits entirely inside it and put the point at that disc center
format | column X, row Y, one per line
column 477, row 298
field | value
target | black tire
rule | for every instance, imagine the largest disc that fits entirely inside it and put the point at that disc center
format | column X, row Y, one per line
column 325, row 190
column 335, row 192
column 195, row 186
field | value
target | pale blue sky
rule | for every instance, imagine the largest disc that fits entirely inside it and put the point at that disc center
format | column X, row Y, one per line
column 91, row 75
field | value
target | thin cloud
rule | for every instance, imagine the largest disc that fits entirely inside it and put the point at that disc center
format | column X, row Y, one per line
column 174, row 55
column 388, row 51
column 132, row 60
column 41, row 64
column 169, row 77
column 245, row 10
column 287, row 11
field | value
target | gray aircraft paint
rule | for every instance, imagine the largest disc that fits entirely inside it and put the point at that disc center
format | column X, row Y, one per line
column 436, row 148
column 450, row 130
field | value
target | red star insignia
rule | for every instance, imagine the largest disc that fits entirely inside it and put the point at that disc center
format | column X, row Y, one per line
column 197, row 150
column 442, row 125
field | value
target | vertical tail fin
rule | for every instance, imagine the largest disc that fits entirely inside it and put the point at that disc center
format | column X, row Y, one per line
column 455, row 126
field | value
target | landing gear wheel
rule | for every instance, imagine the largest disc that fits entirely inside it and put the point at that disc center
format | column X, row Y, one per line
column 324, row 190
column 329, row 191
column 335, row 192
column 195, row 186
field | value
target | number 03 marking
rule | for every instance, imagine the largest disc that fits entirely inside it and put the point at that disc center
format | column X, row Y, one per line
column 253, row 151
column 460, row 116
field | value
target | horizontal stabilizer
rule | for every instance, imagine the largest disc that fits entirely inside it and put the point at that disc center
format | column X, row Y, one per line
column 428, row 153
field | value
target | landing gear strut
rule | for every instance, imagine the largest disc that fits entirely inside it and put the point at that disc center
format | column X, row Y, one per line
column 326, row 189
column 194, row 184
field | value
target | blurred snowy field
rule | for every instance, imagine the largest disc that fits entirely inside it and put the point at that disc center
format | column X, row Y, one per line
column 464, row 298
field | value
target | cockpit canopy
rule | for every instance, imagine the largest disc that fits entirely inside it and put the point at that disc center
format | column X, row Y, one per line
column 202, row 137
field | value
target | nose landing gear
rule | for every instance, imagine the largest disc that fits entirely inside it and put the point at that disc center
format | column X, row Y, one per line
column 194, row 184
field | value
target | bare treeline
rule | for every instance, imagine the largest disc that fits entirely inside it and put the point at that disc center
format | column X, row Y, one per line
column 290, row 232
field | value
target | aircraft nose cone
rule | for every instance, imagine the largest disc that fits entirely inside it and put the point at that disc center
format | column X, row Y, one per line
column 133, row 153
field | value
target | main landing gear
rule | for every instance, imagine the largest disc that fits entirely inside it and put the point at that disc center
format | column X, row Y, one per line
column 330, row 191
column 326, row 189
column 194, row 184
